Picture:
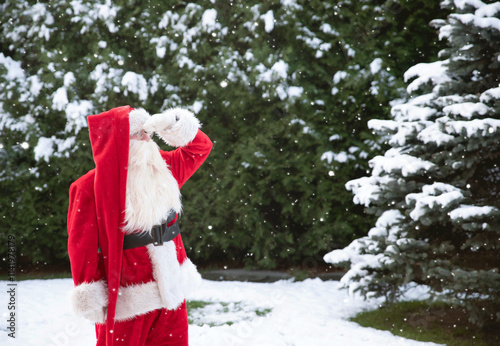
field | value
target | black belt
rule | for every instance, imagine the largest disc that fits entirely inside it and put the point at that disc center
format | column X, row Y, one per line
column 159, row 234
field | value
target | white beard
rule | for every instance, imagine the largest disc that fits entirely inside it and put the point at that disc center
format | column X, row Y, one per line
column 152, row 191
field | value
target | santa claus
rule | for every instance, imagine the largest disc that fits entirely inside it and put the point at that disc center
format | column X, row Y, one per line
column 128, row 261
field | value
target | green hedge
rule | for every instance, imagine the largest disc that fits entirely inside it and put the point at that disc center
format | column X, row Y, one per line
column 273, row 97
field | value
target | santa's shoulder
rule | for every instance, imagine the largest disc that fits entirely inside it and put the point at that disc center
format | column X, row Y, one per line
column 85, row 182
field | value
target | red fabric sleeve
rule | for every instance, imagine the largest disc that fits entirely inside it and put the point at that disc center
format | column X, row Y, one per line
column 83, row 237
column 184, row 161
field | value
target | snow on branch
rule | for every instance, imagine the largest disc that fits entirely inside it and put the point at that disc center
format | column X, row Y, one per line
column 437, row 195
column 383, row 125
column 14, row 69
column 474, row 128
column 340, row 157
column 412, row 112
column 135, row 83
column 393, row 162
column 481, row 22
column 76, row 115
column 367, row 189
column 435, row 73
column 209, row 20
column 268, row 18
column 466, row 109
column 387, row 225
column 490, row 94
column 45, row 147
column 434, row 134
column 470, row 212
column 353, row 254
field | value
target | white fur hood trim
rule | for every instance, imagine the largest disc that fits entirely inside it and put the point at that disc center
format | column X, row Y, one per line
column 176, row 126
column 137, row 118
column 89, row 300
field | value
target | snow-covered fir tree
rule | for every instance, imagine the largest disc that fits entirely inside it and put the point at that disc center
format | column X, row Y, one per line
column 436, row 191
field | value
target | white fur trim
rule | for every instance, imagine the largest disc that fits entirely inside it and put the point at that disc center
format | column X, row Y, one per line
column 137, row 118
column 142, row 298
column 189, row 278
column 174, row 281
column 176, row 126
column 137, row 300
column 89, row 300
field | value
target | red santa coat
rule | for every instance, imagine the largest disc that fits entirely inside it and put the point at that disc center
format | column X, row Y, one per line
column 116, row 285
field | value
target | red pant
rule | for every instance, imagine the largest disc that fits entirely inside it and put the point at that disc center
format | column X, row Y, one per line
column 158, row 327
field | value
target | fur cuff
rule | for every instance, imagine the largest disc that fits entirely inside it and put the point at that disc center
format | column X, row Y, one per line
column 176, row 126
column 90, row 300
column 142, row 298
column 137, row 300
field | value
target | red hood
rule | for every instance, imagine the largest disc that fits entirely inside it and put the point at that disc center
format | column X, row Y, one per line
column 109, row 137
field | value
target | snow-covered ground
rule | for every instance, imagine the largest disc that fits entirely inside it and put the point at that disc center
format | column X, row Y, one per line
column 310, row 312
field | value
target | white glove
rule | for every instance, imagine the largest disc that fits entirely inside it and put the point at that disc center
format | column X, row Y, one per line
column 162, row 122
column 176, row 126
